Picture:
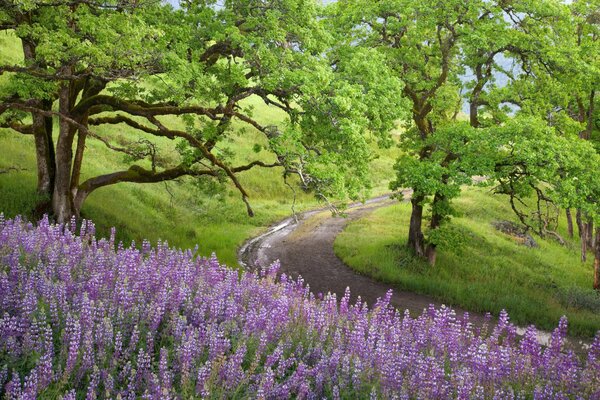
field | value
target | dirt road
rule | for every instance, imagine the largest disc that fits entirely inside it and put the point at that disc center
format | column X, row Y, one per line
column 306, row 248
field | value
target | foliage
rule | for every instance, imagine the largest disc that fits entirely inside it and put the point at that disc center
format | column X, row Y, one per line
column 529, row 159
column 454, row 156
column 533, row 63
column 125, row 63
column 159, row 322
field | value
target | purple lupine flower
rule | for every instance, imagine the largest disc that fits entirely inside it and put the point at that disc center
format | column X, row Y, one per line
column 81, row 303
column 13, row 391
column 73, row 336
column 204, row 374
column 93, row 385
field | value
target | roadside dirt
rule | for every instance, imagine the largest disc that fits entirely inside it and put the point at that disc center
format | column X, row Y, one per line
column 306, row 249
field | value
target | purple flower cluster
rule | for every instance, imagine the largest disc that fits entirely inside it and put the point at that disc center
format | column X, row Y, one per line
column 82, row 317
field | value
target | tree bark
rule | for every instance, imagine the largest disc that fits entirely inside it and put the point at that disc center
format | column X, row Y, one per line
column 569, row 222
column 78, row 160
column 584, row 244
column 44, row 152
column 62, row 198
column 436, row 222
column 475, row 95
column 474, row 113
column 587, row 116
column 416, row 239
column 42, row 132
column 590, row 235
column 581, row 227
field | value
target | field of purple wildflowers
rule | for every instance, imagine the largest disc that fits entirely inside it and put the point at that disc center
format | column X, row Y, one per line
column 82, row 317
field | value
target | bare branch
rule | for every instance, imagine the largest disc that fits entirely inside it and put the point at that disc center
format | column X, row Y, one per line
column 255, row 164
column 118, row 119
column 40, row 73
column 21, row 128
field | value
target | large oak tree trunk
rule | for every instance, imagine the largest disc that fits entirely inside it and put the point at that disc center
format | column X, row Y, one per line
column 42, row 133
column 416, row 239
column 44, row 152
column 62, row 198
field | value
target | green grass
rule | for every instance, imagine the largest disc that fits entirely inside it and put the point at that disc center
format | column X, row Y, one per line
column 490, row 271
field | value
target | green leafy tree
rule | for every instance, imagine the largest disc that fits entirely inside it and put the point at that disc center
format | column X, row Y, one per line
column 557, row 81
column 453, row 51
column 115, row 63
column 421, row 42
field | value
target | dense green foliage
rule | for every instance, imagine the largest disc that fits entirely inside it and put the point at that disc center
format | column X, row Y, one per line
column 94, row 65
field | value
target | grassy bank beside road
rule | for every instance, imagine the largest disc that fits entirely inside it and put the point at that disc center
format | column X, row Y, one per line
column 488, row 271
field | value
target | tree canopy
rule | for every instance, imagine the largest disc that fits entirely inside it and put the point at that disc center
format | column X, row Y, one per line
column 89, row 64
column 527, row 72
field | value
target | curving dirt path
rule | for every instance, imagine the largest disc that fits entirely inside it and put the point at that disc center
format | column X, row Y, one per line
column 305, row 248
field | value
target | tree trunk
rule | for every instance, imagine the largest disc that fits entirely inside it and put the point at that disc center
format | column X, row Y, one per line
column 597, row 261
column 42, row 132
column 590, row 235
column 89, row 87
column 581, row 227
column 62, row 198
column 436, row 222
column 584, row 244
column 473, row 113
column 44, row 152
column 416, row 239
column 78, row 161
column 588, row 118
column 569, row 222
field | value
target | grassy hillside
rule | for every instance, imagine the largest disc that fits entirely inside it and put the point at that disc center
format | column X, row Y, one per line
column 489, row 271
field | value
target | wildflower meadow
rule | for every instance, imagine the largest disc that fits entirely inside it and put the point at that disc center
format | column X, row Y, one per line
column 85, row 317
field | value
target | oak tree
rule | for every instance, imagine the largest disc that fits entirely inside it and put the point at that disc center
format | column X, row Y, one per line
column 88, row 64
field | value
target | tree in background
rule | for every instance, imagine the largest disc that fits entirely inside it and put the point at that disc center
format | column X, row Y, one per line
column 510, row 61
column 124, row 63
column 556, row 81
column 421, row 42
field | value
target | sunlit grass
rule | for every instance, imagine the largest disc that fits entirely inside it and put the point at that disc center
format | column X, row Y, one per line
column 489, row 272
